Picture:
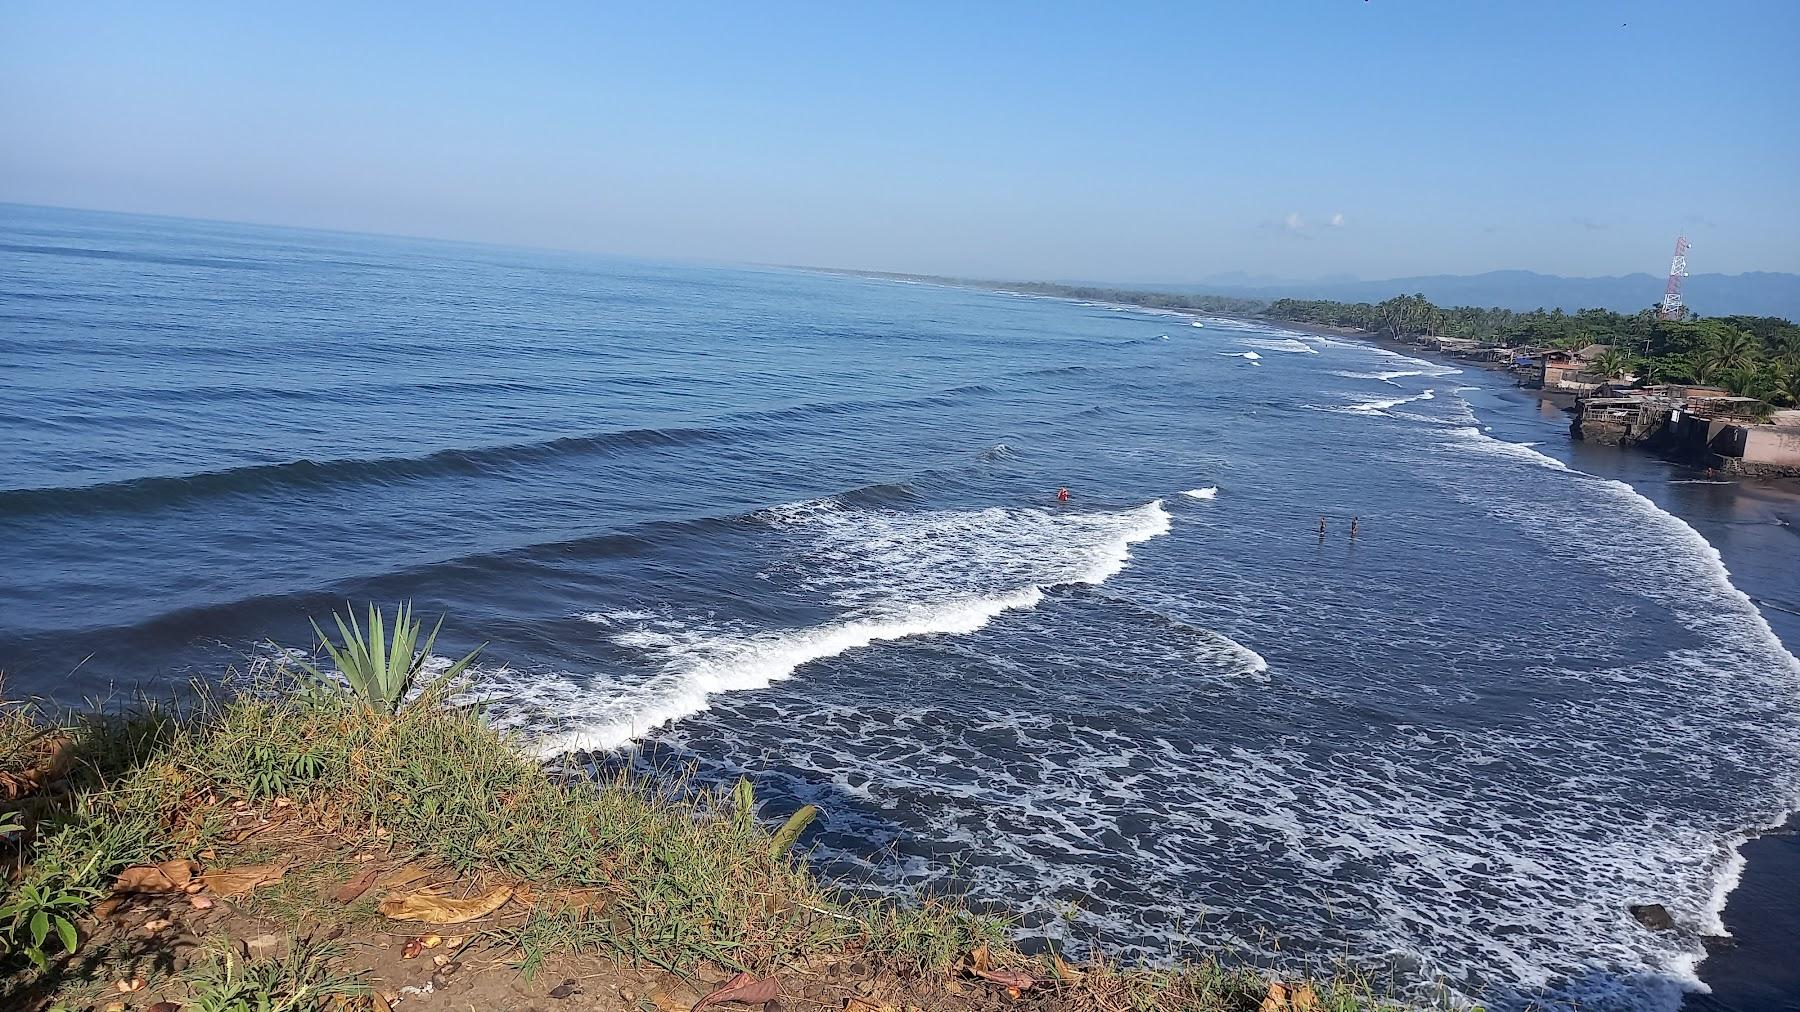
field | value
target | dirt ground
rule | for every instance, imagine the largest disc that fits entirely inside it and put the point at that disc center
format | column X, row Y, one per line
column 285, row 885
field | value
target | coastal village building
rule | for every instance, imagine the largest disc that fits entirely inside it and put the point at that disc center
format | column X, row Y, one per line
column 1703, row 425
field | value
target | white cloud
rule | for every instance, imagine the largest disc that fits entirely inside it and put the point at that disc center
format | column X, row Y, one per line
column 1293, row 221
column 1337, row 220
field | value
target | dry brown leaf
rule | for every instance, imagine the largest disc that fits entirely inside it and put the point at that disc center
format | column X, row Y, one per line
column 1304, row 999
column 411, row 949
column 744, row 988
column 1064, row 971
column 665, row 1003
column 1010, row 979
column 433, row 907
column 865, row 1005
column 1277, row 998
column 164, row 1006
column 978, row 958
column 240, row 881
column 168, row 877
column 357, row 886
column 62, row 758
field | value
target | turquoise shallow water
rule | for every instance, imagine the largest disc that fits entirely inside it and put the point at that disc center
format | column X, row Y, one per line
column 803, row 527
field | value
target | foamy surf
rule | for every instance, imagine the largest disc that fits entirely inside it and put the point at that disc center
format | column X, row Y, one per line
column 1249, row 356
column 1736, row 657
column 1208, row 492
column 893, row 575
column 1286, row 345
column 1384, row 377
column 1381, row 405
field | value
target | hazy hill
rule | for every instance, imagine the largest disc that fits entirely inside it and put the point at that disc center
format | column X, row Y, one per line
column 1760, row 293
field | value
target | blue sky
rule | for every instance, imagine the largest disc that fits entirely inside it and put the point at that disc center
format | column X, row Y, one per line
column 1151, row 142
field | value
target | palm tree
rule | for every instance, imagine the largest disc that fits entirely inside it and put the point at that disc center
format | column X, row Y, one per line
column 1729, row 351
column 1612, row 363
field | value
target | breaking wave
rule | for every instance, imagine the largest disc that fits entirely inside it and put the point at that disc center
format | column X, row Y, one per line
column 890, row 575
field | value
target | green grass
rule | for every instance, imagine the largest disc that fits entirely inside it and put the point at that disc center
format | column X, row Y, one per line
column 304, row 978
column 690, row 877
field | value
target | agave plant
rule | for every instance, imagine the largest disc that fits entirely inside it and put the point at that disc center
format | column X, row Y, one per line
column 382, row 672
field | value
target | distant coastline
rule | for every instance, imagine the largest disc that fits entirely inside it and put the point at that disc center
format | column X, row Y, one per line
column 1704, row 391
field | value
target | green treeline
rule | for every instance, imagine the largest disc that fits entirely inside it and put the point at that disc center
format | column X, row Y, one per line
column 1754, row 356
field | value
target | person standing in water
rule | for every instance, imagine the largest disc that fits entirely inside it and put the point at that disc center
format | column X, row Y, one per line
column 1062, row 495
column 1353, row 522
column 1321, row 528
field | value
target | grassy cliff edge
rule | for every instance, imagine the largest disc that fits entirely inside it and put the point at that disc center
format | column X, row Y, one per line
column 687, row 886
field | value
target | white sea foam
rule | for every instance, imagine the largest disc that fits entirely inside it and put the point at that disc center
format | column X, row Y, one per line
column 1286, row 345
column 1385, row 377
column 1252, row 357
column 1736, row 668
column 1381, row 405
column 892, row 574
column 1202, row 493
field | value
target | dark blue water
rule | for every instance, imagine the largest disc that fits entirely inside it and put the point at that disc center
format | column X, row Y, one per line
column 804, row 526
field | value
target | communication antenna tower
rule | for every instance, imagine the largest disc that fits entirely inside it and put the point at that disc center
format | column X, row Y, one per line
column 1672, row 309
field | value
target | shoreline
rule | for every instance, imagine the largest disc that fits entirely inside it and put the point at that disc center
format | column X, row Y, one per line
column 1743, row 969
column 1750, row 966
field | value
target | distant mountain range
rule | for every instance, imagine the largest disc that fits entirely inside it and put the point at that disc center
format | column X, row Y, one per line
column 1760, row 293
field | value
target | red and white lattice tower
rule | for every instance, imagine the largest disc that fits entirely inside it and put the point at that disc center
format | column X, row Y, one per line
column 1672, row 309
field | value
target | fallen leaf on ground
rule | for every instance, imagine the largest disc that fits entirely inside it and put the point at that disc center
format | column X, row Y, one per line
column 432, row 941
column 433, row 907
column 1304, row 998
column 864, row 1005
column 356, row 886
column 565, row 989
column 199, row 902
column 978, row 958
column 411, row 949
column 155, row 924
column 239, row 881
column 1064, row 971
column 168, row 877
column 1277, row 998
column 128, row 986
column 744, row 988
column 164, row 1006
column 1014, row 979
column 62, row 757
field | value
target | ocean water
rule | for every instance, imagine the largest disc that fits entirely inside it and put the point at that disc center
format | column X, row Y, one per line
column 804, row 528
